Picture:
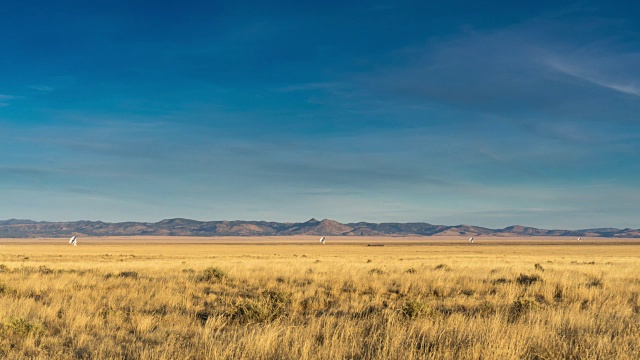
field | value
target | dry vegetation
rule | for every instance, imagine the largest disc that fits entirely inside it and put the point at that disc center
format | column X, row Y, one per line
column 319, row 302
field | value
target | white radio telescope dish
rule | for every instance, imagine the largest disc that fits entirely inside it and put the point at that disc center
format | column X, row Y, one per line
column 322, row 240
column 73, row 241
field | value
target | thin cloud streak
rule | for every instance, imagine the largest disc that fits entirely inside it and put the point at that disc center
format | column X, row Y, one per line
column 4, row 99
column 42, row 88
column 577, row 72
column 514, row 71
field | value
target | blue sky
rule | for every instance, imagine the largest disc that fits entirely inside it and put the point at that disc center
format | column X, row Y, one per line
column 492, row 113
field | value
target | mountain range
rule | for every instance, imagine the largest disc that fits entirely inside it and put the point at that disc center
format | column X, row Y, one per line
column 14, row 228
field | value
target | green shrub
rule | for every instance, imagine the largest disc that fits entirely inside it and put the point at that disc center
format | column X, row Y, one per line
column 211, row 274
column 413, row 308
column 20, row 327
column 270, row 305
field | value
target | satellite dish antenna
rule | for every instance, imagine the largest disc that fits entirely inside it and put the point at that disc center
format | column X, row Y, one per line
column 322, row 240
column 73, row 241
column 579, row 239
column 471, row 240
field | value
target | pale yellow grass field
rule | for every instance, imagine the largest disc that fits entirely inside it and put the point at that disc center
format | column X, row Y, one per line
column 292, row 298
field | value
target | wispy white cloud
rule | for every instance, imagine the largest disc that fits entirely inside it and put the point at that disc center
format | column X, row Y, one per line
column 516, row 70
column 42, row 88
column 4, row 99
column 593, row 77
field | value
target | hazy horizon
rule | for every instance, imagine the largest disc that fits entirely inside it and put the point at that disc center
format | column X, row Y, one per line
column 457, row 112
column 303, row 221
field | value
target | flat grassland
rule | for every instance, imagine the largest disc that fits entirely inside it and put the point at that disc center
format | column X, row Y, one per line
column 293, row 298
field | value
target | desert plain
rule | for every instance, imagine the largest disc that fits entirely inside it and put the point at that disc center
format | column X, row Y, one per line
column 294, row 298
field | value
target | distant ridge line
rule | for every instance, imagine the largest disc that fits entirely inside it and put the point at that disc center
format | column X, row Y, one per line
column 15, row 228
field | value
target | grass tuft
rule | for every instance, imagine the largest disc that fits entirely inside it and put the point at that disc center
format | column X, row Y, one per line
column 525, row 279
column 128, row 274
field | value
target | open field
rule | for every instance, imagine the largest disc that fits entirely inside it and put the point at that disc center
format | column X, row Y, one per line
column 292, row 298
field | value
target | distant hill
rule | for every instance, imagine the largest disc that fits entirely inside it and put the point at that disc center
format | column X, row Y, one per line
column 14, row 228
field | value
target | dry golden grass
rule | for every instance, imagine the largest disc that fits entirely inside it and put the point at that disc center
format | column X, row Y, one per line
column 108, row 299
